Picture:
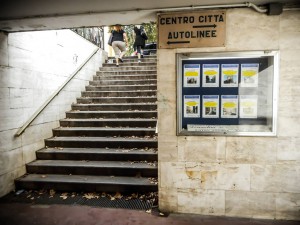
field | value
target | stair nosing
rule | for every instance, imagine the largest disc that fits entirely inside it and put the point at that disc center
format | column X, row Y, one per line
column 90, row 164
column 86, row 179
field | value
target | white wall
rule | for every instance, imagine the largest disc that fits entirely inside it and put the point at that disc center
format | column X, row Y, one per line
column 256, row 177
column 32, row 66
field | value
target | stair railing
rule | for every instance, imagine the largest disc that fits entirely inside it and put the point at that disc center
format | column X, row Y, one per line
column 43, row 106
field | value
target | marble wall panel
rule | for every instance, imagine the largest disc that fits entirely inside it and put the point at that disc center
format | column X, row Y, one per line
column 247, row 30
column 201, row 202
column 11, row 118
column 205, row 176
column 178, row 175
column 166, row 122
column 251, row 150
column 286, row 126
column 8, row 141
column 168, row 149
column 202, row 149
column 250, row 204
column 7, row 180
column 275, row 178
column 3, row 49
column 288, row 150
column 168, row 199
column 10, row 160
column 287, row 206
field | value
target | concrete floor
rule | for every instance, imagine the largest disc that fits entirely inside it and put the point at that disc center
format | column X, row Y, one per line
column 29, row 214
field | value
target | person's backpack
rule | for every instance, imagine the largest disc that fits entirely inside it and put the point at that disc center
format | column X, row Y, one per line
column 143, row 34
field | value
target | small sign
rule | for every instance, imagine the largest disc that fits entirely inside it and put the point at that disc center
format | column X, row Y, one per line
column 192, row 30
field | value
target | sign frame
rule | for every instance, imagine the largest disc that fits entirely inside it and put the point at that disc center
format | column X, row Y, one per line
column 222, row 115
column 192, row 29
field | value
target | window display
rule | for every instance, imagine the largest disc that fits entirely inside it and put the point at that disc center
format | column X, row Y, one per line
column 229, row 94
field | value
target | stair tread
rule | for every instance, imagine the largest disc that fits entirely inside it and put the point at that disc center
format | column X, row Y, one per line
column 93, row 164
column 122, row 97
column 86, row 179
column 142, row 111
column 122, row 85
column 127, row 91
column 137, row 80
column 120, row 70
column 97, row 151
column 110, row 119
column 103, row 104
column 106, row 128
column 107, row 139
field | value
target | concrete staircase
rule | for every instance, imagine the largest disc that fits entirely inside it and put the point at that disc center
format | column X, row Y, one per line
column 107, row 141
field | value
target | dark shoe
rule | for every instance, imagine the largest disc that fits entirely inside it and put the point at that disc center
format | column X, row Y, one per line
column 117, row 65
column 142, row 56
column 121, row 60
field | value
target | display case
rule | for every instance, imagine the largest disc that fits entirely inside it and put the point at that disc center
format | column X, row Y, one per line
column 227, row 93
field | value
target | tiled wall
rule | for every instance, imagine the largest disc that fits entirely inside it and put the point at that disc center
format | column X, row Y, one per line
column 32, row 66
column 255, row 177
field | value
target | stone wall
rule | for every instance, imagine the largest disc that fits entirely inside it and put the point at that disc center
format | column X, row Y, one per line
column 32, row 67
column 257, row 177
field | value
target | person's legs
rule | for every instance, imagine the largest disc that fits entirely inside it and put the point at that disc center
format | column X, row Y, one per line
column 122, row 47
column 139, row 52
column 117, row 51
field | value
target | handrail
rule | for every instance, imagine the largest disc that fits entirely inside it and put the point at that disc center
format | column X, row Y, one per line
column 41, row 108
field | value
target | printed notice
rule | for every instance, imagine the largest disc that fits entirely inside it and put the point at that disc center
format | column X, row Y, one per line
column 249, row 75
column 191, row 106
column 229, row 104
column 191, row 75
column 210, row 75
column 248, row 106
column 210, row 106
column 230, row 74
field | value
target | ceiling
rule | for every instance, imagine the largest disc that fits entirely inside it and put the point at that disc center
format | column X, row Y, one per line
column 28, row 15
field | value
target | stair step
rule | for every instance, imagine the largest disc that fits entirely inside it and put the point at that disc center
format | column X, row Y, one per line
column 135, row 57
column 121, row 87
column 131, row 63
column 100, row 142
column 115, row 107
column 125, row 77
column 140, row 99
column 103, row 131
column 97, row 154
column 122, row 82
column 123, row 67
column 129, row 93
column 111, row 114
column 102, row 168
column 86, row 183
column 133, row 60
column 110, row 122
column 123, row 72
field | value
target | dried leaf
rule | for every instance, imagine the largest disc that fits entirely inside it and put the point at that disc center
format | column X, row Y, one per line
column 90, row 195
column 118, row 195
column 64, row 196
column 52, row 193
